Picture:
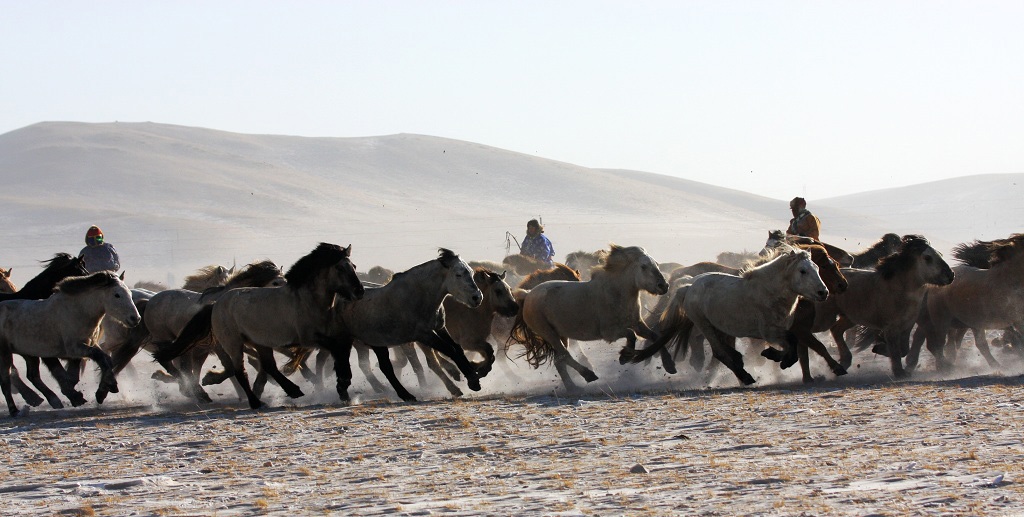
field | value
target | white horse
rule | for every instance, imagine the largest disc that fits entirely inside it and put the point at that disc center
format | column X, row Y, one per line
column 606, row 307
column 758, row 303
column 62, row 326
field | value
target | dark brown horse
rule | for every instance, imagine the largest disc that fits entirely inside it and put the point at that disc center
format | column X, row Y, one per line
column 978, row 299
column 887, row 299
column 868, row 258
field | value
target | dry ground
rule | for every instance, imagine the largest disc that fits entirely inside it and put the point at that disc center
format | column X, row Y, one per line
column 858, row 445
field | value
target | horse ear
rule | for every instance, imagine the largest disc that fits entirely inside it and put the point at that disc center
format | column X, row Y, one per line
column 122, row 276
column 502, row 275
column 348, row 251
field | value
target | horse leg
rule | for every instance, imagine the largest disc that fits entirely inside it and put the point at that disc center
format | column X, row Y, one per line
column 838, row 328
column 32, row 373
column 563, row 372
column 697, row 353
column 981, row 341
column 60, row 375
column 441, row 341
column 268, row 364
column 581, row 356
column 893, row 340
column 363, row 356
column 74, row 368
column 191, row 364
column 435, row 366
column 340, row 349
column 807, row 341
column 28, row 394
column 409, row 352
column 6, row 363
column 388, row 369
column 723, row 347
column 108, row 380
column 234, row 358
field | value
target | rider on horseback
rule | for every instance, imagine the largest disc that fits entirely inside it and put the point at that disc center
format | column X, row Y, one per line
column 803, row 222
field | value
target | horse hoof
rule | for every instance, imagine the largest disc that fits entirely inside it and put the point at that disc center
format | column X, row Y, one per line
column 18, row 413
column 296, row 394
column 589, row 376
column 162, row 376
column 101, row 395
column 670, row 369
column 788, row 361
column 625, row 355
column 77, row 399
column 747, row 379
column 901, row 374
column 55, row 403
column 881, row 349
column 33, row 401
column 772, row 354
column 839, row 371
column 474, row 384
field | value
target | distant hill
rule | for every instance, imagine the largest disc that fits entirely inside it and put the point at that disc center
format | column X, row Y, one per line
column 173, row 199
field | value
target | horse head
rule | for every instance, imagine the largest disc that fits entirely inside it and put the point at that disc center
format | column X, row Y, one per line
column 349, row 287
column 828, row 269
column 804, row 277
column 917, row 254
column 647, row 274
column 458, row 280
column 496, row 291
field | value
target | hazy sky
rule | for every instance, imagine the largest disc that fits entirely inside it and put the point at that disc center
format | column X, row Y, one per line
column 778, row 98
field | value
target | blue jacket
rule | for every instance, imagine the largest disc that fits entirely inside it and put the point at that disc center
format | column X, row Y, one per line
column 100, row 258
column 538, row 247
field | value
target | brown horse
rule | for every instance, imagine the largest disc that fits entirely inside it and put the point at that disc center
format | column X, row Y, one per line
column 6, row 286
column 838, row 254
column 523, row 265
column 978, row 299
column 607, row 307
column 887, row 299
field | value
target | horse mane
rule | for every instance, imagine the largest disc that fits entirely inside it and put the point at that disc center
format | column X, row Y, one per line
column 304, row 270
column 447, row 257
column 150, row 285
column 619, row 258
column 80, row 284
column 882, row 248
column 1002, row 250
column 201, row 279
column 910, row 248
column 257, row 274
column 785, row 253
column 980, row 254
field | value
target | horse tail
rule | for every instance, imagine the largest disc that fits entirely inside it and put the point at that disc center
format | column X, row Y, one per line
column 537, row 350
column 197, row 328
column 673, row 327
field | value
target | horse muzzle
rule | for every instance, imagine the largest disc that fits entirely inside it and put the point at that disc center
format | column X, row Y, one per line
column 821, row 295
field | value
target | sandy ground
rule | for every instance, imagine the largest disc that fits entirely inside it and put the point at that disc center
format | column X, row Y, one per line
column 637, row 442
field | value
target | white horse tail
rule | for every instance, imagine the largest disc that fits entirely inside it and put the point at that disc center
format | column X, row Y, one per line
column 197, row 328
column 673, row 327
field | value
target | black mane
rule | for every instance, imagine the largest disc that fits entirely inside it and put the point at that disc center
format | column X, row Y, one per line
column 306, row 268
column 910, row 248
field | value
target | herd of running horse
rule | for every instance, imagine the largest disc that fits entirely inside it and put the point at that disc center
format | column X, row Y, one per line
column 446, row 308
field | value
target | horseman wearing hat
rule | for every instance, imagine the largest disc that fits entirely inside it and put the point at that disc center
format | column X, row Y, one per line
column 99, row 255
column 803, row 222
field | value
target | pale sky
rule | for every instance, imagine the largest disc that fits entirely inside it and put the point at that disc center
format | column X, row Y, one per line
column 777, row 98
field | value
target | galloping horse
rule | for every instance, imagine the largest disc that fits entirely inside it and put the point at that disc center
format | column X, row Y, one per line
column 607, row 307
column 407, row 309
column 978, row 299
column 61, row 266
column 887, row 299
column 62, row 326
column 468, row 326
column 265, row 318
column 6, row 286
column 767, row 293
column 166, row 313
